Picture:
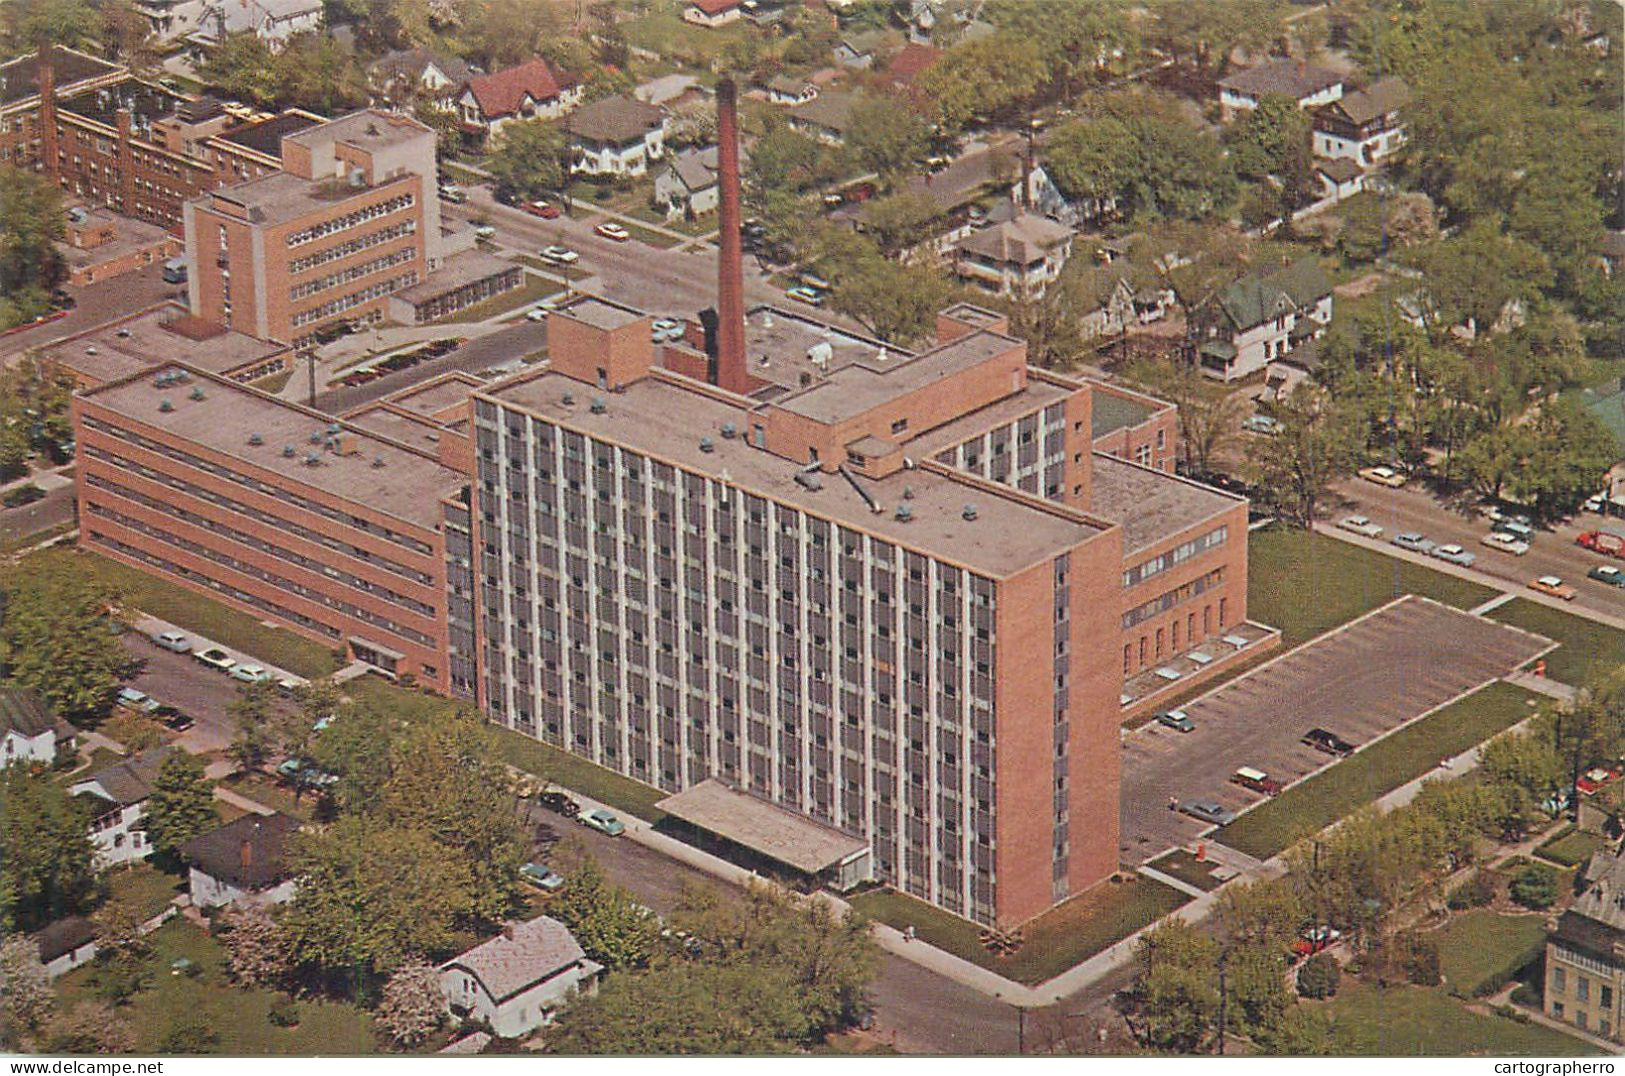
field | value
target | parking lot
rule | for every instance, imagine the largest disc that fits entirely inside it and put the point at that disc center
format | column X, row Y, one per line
column 1365, row 680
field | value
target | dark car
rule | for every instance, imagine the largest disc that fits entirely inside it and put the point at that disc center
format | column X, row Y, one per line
column 557, row 801
column 1329, row 742
column 173, row 718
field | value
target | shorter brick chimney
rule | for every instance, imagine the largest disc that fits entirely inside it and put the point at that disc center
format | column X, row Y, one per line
column 246, row 859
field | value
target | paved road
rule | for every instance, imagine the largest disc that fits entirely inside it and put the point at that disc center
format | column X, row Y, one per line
column 1360, row 683
column 1553, row 552
column 197, row 690
column 54, row 509
column 925, row 1012
column 98, row 304
column 479, row 354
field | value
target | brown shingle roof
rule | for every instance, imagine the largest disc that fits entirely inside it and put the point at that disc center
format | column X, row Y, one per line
column 63, row 937
column 911, row 62
column 523, row 955
column 22, row 710
column 500, row 93
column 131, row 781
column 1023, row 240
column 615, row 119
column 1286, row 77
column 1373, row 102
column 220, row 853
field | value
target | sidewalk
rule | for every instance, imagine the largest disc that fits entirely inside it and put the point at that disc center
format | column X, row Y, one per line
column 151, row 625
column 47, row 480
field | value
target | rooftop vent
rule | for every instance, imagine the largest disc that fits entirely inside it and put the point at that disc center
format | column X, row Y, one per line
column 707, row 445
column 255, row 439
column 969, row 513
column 567, row 399
column 729, row 430
column 377, row 461
column 599, row 405
column 315, row 437
column 123, row 334
column 90, row 349
column 313, row 459
column 289, row 452
column 197, row 392
column 809, row 480
column 820, row 353
column 333, row 428
column 165, row 406
column 904, row 513
column 180, row 377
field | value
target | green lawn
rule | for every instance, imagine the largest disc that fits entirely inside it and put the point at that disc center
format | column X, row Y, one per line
column 1587, row 647
column 1062, row 937
column 532, row 756
column 1184, row 865
column 1483, row 948
column 1570, row 848
column 1413, row 1021
column 1311, row 806
column 196, row 612
column 237, row 1015
column 1306, row 584
column 533, row 290
column 665, row 32
column 271, row 793
column 700, row 226
column 148, row 886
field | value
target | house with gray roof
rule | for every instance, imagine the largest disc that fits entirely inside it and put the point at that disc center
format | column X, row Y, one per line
column 618, row 136
column 1021, row 256
column 1585, row 956
column 520, row 979
column 241, row 861
column 66, row 944
column 402, row 76
column 825, row 118
column 784, row 90
column 118, row 795
column 1365, row 126
column 1310, row 86
column 1263, row 316
column 28, row 732
column 688, row 185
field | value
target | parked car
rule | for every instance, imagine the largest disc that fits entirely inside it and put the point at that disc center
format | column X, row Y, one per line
column 216, row 658
column 1313, row 939
column 813, row 280
column 1176, row 719
column 1261, row 424
column 452, row 193
column 803, row 294
column 1553, row 585
column 603, row 821
column 288, row 687
column 173, row 718
column 1453, row 553
column 542, row 876
column 1360, row 525
column 1520, row 530
column 485, row 231
column 1607, row 573
column 1207, row 811
column 132, row 699
column 303, row 773
column 1412, row 541
column 1327, row 741
column 610, row 230
column 559, row 255
column 1383, row 476
column 555, row 800
column 251, row 674
column 172, row 640
column 1498, row 514
column 1257, row 780
column 1595, row 503
column 537, row 313
column 1506, row 543
column 541, row 207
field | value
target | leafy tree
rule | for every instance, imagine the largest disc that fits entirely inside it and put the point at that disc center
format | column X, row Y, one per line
column 189, row 1034
column 32, row 24
column 1050, row 323
column 1203, row 33
column 119, row 928
column 1139, row 152
column 256, row 950
column 242, row 66
column 989, row 78
column 45, row 851
column 1471, row 277
column 901, row 220
column 1491, row 460
column 413, row 1006
column 1534, row 887
column 181, row 805
column 1209, row 417
column 886, row 135
column 1178, row 986
column 1319, row 976
column 370, row 896
column 356, row 749
column 897, row 303
column 31, row 224
column 256, row 737
column 529, row 159
column 26, row 993
column 315, row 72
column 56, row 639
column 612, row 927
column 1080, row 43
column 1265, row 914
column 1317, row 444
column 90, row 1027
column 1256, row 995
column 1262, row 141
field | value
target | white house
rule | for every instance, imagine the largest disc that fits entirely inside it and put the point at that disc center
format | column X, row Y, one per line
column 1364, row 126
column 688, row 186
column 858, row 51
column 1305, row 83
column 1262, row 317
column 241, row 861
column 616, row 136
column 712, row 13
column 66, row 944
column 1019, row 257
column 1339, row 177
column 531, row 91
column 28, row 733
column 272, row 21
column 405, row 75
column 120, row 794
column 784, row 90
column 1121, row 307
column 520, row 979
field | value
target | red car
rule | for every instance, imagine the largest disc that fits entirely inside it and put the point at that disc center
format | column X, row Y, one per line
column 542, row 208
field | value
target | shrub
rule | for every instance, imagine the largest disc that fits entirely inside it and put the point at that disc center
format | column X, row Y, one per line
column 189, row 1035
column 284, row 1012
column 1319, row 976
column 1534, row 887
column 1477, row 892
column 1422, row 961
column 1526, row 994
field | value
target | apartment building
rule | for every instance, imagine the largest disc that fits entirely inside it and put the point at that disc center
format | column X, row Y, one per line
column 1585, row 958
column 318, row 525
column 350, row 219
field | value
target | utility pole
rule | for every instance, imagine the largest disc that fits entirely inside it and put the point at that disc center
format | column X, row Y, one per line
column 1223, row 997
column 310, row 368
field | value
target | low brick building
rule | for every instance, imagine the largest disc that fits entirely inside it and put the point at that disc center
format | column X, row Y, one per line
column 100, row 245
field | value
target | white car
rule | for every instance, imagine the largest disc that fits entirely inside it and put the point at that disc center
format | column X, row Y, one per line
column 250, row 674
column 611, row 230
column 1360, row 525
column 173, row 641
column 1506, row 543
column 485, row 231
column 560, row 255
column 1453, row 554
column 536, row 313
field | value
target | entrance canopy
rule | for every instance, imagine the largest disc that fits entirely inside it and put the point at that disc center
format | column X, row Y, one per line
column 789, row 838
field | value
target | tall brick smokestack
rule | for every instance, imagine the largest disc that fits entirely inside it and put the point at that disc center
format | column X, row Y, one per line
column 732, row 371
column 47, row 110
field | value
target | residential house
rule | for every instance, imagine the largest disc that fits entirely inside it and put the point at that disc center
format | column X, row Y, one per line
column 520, row 979
column 1285, row 374
column 241, row 861
column 1364, row 126
column 616, row 136
column 1263, row 316
column 688, row 186
column 857, row 51
column 911, row 61
column 1339, row 177
column 1585, row 956
column 66, row 944
column 826, row 117
column 1303, row 82
column 1119, row 306
column 712, row 13
column 1019, row 257
column 118, row 827
column 784, row 90
column 531, row 91
column 404, row 76
column 272, row 21
column 28, row 732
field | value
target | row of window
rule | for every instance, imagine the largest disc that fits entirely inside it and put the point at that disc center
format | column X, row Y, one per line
column 356, row 298
column 353, row 272
column 353, row 246
column 1163, row 561
column 1170, row 598
column 354, row 219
